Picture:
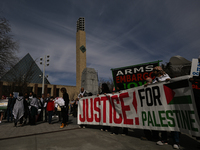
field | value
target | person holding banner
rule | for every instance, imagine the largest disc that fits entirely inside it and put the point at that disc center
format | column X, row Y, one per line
column 195, row 80
column 82, row 94
column 148, row 133
column 105, row 90
column 162, row 76
column 148, row 81
column 120, row 88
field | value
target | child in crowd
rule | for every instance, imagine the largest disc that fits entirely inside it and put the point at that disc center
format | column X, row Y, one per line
column 50, row 109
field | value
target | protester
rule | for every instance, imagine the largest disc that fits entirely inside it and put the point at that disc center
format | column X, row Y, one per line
column 148, row 81
column 162, row 76
column 104, row 90
column 18, row 110
column 41, row 102
column 59, row 103
column 11, row 102
column 57, row 111
column 119, row 89
column 29, row 101
column 26, row 108
column 45, row 105
column 195, row 80
column 50, row 109
column 82, row 94
column 30, row 97
column 75, row 107
column 64, row 109
column 72, row 107
column 3, row 97
column 34, row 109
column 148, row 134
column 196, row 90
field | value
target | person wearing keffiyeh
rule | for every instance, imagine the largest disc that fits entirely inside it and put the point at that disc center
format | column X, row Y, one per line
column 18, row 109
column 34, row 104
column 82, row 93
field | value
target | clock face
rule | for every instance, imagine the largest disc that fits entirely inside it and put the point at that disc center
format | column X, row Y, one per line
column 82, row 48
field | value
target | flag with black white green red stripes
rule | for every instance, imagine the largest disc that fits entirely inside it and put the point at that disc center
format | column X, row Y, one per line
column 174, row 107
column 178, row 92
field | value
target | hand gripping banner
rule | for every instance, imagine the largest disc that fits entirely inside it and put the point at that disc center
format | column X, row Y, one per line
column 165, row 106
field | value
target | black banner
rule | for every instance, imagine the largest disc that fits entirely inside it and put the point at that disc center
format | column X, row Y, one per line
column 133, row 76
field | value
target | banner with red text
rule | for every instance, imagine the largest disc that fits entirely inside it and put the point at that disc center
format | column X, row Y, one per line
column 167, row 106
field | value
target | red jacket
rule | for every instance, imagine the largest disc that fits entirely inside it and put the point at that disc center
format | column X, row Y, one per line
column 50, row 106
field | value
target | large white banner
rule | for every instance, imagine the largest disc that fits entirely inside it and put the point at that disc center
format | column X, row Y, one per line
column 168, row 106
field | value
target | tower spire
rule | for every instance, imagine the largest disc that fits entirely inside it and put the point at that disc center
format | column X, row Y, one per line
column 80, row 50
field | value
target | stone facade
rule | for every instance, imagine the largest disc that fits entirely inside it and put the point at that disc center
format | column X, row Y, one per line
column 54, row 90
column 80, row 56
column 89, row 80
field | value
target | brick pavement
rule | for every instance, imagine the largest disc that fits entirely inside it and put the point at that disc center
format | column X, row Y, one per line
column 50, row 137
column 7, row 129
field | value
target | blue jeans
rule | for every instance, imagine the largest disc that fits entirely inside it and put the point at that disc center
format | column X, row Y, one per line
column 9, row 114
column 50, row 113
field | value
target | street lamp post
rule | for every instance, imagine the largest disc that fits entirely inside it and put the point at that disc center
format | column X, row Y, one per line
column 44, row 61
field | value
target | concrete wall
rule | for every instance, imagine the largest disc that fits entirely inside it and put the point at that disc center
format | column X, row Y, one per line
column 89, row 80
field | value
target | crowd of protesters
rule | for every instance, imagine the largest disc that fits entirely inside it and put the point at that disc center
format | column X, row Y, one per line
column 30, row 107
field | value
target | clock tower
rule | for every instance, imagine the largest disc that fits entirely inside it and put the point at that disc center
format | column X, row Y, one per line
column 80, row 50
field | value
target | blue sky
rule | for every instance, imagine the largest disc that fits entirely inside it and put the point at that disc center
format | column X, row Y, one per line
column 118, row 33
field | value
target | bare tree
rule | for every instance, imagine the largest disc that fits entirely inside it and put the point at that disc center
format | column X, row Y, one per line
column 8, row 47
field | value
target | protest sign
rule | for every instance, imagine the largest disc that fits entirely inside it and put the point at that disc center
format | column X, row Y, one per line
column 133, row 76
column 195, row 68
column 166, row 106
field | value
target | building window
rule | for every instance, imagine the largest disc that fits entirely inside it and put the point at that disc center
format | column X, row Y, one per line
column 57, row 92
column 49, row 90
column 39, row 91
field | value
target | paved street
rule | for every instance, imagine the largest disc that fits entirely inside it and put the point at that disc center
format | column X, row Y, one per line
column 49, row 137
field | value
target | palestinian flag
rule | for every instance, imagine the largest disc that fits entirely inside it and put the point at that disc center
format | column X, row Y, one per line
column 178, row 92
